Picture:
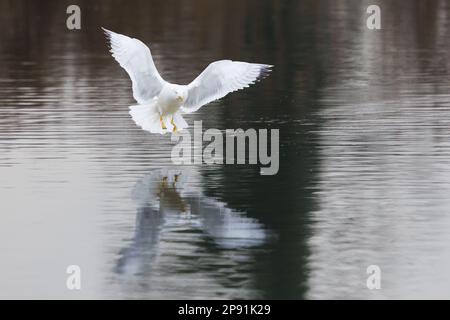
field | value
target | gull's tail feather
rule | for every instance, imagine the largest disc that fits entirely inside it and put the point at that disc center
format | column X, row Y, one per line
column 148, row 118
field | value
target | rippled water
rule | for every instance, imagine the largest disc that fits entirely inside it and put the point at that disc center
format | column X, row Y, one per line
column 364, row 175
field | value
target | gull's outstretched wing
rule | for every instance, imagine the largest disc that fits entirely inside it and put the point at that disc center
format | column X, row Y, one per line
column 135, row 57
column 219, row 79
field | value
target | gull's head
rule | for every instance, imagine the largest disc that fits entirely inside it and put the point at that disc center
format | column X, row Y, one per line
column 180, row 94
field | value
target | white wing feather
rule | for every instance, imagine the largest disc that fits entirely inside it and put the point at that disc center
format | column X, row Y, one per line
column 219, row 79
column 135, row 57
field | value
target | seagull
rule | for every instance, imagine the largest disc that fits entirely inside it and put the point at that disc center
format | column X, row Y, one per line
column 160, row 103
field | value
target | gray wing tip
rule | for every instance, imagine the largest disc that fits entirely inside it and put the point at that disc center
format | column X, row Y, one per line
column 108, row 35
column 106, row 32
column 264, row 71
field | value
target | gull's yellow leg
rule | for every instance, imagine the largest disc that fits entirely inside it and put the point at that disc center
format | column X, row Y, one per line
column 174, row 126
column 162, row 123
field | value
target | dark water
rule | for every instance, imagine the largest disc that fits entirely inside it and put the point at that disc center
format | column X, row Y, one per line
column 364, row 173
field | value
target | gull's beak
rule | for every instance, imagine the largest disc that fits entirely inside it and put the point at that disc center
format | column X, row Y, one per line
column 180, row 98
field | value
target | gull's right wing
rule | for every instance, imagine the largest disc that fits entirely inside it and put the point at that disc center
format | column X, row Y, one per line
column 135, row 57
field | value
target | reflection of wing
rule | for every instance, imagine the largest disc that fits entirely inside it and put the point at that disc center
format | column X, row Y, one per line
column 139, row 254
column 135, row 57
column 229, row 229
column 221, row 78
column 154, row 194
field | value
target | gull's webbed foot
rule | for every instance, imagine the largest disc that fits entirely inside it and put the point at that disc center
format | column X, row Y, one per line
column 162, row 123
column 174, row 126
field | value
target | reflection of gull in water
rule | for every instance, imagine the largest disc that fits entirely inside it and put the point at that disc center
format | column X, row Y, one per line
column 165, row 199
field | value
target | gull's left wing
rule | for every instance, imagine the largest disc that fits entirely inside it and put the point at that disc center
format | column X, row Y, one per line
column 219, row 79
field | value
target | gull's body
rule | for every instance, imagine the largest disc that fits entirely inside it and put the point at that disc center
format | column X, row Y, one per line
column 160, row 103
